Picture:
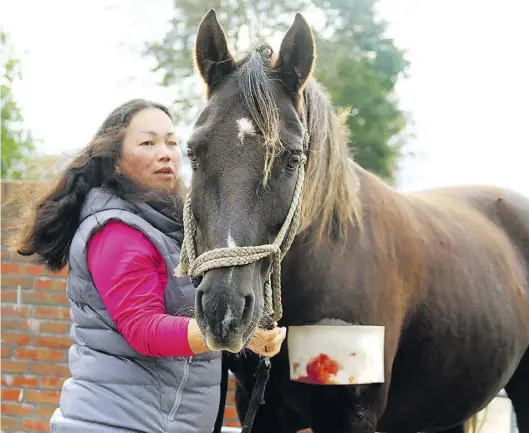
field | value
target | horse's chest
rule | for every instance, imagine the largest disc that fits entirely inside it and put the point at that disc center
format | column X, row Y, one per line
column 294, row 395
column 313, row 298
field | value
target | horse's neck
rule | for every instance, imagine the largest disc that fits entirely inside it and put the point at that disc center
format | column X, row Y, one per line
column 321, row 278
column 382, row 211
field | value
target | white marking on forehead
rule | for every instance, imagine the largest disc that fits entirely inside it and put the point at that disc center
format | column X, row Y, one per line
column 245, row 127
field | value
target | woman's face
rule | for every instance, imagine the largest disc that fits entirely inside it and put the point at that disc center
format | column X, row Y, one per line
column 150, row 154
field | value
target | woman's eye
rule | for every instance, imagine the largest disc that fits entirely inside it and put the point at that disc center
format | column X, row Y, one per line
column 147, row 143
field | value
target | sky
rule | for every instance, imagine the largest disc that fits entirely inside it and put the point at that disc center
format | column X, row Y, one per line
column 467, row 91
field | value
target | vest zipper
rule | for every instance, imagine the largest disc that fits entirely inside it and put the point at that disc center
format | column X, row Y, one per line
column 179, row 391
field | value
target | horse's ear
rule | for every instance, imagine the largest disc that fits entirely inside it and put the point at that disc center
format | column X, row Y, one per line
column 212, row 57
column 296, row 55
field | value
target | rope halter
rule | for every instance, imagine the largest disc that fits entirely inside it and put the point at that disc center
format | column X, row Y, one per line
column 237, row 256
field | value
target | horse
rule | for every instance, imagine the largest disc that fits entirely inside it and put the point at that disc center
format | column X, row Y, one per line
column 282, row 225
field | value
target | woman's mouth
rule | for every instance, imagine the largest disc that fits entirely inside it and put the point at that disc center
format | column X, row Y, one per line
column 165, row 172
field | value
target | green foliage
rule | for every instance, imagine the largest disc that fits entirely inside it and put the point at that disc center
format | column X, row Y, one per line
column 359, row 66
column 356, row 63
column 16, row 140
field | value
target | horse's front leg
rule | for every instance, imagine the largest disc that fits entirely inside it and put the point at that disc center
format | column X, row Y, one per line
column 273, row 416
column 347, row 409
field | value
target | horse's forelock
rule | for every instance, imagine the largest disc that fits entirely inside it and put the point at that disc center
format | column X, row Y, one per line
column 254, row 82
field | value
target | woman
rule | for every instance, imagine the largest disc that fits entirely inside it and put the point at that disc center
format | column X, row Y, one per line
column 138, row 363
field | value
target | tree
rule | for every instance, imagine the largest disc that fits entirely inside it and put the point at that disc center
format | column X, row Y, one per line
column 359, row 66
column 356, row 63
column 16, row 140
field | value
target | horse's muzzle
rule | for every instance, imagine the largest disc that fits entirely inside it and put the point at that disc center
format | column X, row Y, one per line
column 224, row 307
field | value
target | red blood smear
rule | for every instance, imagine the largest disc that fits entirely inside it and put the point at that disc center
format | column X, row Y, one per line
column 320, row 370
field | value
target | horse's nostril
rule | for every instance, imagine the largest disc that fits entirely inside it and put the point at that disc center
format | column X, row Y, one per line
column 199, row 305
column 248, row 307
column 196, row 281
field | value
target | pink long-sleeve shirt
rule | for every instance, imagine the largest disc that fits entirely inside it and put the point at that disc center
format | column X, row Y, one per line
column 130, row 276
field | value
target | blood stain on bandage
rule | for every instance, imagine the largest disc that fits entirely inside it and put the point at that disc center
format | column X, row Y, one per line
column 320, row 370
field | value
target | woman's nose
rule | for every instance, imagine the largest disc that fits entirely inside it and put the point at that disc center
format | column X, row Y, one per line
column 164, row 154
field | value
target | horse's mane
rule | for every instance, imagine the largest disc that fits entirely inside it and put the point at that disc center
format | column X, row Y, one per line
column 330, row 202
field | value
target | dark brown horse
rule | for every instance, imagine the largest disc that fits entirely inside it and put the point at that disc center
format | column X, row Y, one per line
column 445, row 271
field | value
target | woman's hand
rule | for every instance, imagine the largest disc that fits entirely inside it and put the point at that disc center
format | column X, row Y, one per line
column 264, row 342
column 267, row 342
column 197, row 343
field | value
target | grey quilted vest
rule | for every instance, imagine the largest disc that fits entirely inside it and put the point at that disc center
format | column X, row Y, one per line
column 114, row 388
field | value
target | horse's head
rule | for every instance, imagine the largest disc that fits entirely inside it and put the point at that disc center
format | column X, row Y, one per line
column 245, row 150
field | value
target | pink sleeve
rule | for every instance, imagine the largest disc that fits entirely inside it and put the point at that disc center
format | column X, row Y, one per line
column 130, row 276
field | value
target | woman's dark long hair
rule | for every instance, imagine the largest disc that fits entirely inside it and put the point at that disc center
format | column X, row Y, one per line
column 47, row 230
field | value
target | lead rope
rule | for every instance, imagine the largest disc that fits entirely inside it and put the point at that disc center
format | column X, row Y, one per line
column 258, row 391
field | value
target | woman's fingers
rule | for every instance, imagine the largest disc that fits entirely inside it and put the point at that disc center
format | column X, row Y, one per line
column 274, row 345
column 269, row 334
column 268, row 342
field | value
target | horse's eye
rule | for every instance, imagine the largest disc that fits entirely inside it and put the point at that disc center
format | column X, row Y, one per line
column 294, row 160
column 191, row 155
